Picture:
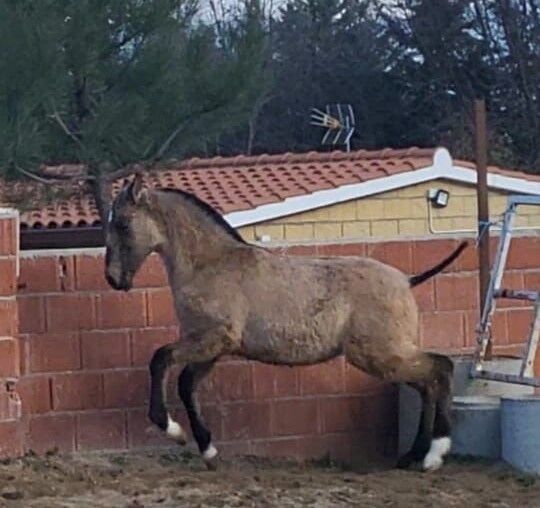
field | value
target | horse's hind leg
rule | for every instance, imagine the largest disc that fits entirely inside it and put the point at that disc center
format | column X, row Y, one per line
column 433, row 441
column 188, row 380
column 431, row 375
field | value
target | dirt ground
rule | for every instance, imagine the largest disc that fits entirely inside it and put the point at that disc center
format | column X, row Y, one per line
column 163, row 479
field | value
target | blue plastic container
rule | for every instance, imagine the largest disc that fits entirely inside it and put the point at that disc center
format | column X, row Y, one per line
column 520, row 432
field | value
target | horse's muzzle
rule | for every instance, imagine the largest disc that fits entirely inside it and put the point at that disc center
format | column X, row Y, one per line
column 121, row 284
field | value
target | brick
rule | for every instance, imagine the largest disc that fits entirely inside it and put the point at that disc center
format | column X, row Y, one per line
column 31, row 314
column 524, row 252
column 328, row 231
column 146, row 341
column 228, row 382
column 8, row 236
column 126, row 388
column 8, row 317
column 323, row 378
column 234, row 449
column 246, row 420
column 369, row 208
column 9, row 357
column 396, row 254
column 35, row 393
column 341, row 414
column 50, row 432
column 342, row 249
column 519, row 325
column 212, row 415
column 77, row 391
column 532, row 280
column 105, row 349
column 70, row 312
column 8, row 276
column 11, row 439
column 357, row 381
column 10, row 403
column 384, row 228
column 428, row 253
column 342, row 211
column 54, row 352
column 411, row 227
column 442, row 330
column 425, row 295
column 300, row 250
column 121, row 310
column 356, row 229
column 499, row 330
column 248, row 233
column 152, row 274
column 41, row 274
column 90, row 273
column 277, row 448
column 295, row 416
column 274, row 381
column 161, row 308
column 456, row 292
column 101, row 431
column 296, row 232
column 512, row 280
column 143, row 433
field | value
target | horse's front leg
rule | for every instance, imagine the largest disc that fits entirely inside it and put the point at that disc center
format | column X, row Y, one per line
column 188, row 381
column 202, row 354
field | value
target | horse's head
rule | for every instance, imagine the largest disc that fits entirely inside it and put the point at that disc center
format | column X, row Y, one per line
column 131, row 234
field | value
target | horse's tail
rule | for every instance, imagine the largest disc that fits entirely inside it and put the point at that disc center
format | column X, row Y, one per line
column 415, row 280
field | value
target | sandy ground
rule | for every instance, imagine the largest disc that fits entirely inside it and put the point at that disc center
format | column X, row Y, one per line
column 163, row 479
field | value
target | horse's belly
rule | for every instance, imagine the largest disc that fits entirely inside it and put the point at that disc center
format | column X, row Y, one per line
column 292, row 343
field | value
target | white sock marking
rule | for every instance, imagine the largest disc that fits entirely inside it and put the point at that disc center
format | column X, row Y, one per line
column 439, row 448
column 174, row 430
column 210, row 452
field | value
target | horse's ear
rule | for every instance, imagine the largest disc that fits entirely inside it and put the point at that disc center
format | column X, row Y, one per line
column 136, row 189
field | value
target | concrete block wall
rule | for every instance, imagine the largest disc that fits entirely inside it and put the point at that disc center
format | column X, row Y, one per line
column 402, row 212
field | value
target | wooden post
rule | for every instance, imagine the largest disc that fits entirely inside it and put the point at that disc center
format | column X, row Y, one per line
column 483, row 204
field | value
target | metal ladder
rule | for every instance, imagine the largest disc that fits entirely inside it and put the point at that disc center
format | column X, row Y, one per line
column 494, row 291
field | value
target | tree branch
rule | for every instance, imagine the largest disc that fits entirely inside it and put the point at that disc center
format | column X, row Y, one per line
column 56, row 116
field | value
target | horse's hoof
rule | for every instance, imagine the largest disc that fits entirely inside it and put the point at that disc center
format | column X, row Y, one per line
column 176, row 432
column 210, row 457
column 212, row 464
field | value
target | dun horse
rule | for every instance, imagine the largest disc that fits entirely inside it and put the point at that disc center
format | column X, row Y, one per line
column 235, row 298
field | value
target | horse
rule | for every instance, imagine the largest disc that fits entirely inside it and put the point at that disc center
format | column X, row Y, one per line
column 236, row 298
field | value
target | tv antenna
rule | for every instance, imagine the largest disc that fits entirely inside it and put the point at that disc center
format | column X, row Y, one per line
column 339, row 122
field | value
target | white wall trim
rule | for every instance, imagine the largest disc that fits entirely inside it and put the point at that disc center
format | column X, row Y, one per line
column 298, row 204
column 442, row 168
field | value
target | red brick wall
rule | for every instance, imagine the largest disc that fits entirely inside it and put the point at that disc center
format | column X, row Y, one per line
column 11, row 435
column 85, row 350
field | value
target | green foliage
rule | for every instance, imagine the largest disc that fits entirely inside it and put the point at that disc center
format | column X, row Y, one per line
column 117, row 81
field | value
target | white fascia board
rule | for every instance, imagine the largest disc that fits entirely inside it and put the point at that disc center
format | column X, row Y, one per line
column 495, row 181
column 306, row 202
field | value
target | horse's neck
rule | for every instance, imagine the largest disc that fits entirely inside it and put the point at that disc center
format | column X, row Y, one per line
column 193, row 241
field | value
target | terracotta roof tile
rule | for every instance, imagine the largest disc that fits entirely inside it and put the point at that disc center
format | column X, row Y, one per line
column 244, row 182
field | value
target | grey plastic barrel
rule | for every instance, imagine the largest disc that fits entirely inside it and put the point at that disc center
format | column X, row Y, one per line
column 520, row 432
column 476, row 429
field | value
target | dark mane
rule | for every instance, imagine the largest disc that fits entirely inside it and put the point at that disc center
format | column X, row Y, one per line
column 208, row 210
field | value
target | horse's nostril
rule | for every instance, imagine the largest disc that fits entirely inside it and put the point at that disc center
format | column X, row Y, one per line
column 112, row 282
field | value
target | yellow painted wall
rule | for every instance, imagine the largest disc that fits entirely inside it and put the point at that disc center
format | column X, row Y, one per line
column 401, row 213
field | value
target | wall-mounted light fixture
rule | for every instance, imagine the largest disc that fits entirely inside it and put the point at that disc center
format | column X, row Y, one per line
column 438, row 197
